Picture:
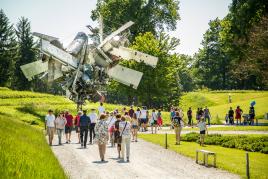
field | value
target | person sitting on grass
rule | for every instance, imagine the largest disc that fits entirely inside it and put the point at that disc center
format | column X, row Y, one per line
column 203, row 128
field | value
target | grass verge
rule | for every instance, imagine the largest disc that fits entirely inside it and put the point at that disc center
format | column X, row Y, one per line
column 24, row 152
column 232, row 160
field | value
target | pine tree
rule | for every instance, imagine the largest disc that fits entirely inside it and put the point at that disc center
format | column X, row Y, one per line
column 26, row 53
column 7, row 50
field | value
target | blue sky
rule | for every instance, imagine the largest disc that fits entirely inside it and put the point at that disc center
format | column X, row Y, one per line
column 64, row 18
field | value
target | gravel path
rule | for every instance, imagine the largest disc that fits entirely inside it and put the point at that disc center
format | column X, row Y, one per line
column 147, row 160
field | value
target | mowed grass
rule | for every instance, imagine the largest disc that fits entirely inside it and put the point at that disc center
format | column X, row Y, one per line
column 231, row 128
column 232, row 160
column 217, row 101
column 24, row 152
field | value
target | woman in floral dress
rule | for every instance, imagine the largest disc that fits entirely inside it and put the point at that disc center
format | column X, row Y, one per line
column 102, row 135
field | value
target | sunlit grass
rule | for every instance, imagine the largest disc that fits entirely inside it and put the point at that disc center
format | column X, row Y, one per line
column 232, row 160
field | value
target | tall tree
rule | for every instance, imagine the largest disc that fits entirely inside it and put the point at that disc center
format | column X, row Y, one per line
column 26, row 53
column 7, row 50
column 160, row 86
column 149, row 15
column 212, row 63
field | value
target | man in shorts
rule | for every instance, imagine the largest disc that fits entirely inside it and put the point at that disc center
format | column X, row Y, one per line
column 143, row 118
column 50, row 125
column 68, row 126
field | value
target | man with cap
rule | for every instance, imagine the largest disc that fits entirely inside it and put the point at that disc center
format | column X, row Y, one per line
column 93, row 120
column 84, row 125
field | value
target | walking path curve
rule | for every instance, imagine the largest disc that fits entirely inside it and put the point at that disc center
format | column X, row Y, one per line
column 147, row 160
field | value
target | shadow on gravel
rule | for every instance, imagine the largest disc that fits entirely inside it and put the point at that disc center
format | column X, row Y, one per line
column 113, row 158
column 122, row 161
column 100, row 162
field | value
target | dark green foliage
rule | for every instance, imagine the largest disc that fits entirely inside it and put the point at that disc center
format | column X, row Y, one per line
column 234, row 53
column 7, row 50
column 243, row 142
column 26, row 54
column 149, row 15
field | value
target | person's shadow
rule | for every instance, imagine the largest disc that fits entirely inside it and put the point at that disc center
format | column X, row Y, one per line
column 100, row 162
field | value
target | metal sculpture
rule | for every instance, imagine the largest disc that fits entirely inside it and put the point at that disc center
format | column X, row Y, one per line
column 84, row 69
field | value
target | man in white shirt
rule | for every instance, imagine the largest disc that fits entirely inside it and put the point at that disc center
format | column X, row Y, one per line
column 93, row 120
column 101, row 109
column 124, row 128
column 50, row 125
column 143, row 118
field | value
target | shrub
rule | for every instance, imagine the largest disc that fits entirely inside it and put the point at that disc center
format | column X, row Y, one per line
column 243, row 142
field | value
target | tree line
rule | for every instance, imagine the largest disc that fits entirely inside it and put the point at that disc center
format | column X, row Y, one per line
column 234, row 53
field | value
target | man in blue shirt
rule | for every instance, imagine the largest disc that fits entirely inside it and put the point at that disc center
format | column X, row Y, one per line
column 84, row 126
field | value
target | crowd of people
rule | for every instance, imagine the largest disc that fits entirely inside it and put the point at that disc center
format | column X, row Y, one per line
column 102, row 127
column 120, row 128
column 237, row 115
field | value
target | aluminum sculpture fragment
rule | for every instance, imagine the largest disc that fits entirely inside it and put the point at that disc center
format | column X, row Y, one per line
column 84, row 69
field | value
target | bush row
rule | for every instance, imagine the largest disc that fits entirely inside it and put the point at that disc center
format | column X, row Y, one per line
column 244, row 142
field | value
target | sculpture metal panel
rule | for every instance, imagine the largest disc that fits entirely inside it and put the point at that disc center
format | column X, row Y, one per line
column 84, row 69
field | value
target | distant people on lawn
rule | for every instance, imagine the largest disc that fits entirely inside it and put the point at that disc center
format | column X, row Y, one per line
column 238, row 115
column 251, row 114
column 203, row 128
column 153, row 121
column 60, row 123
column 84, row 126
column 172, row 115
column 190, row 116
column 197, row 115
column 159, row 119
column 102, row 136
column 143, row 118
column 207, row 115
column 231, row 116
column 93, row 120
column 50, row 126
column 68, row 126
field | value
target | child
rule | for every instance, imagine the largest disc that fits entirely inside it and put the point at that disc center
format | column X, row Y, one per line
column 226, row 119
column 203, row 128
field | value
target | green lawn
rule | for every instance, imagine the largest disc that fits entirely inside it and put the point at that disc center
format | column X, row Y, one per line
column 232, row 160
column 232, row 128
column 24, row 152
column 217, row 101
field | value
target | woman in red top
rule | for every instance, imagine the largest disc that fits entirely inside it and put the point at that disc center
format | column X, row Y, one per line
column 238, row 114
column 77, row 124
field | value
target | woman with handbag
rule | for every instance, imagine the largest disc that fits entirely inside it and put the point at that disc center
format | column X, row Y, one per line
column 102, row 136
column 124, row 128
